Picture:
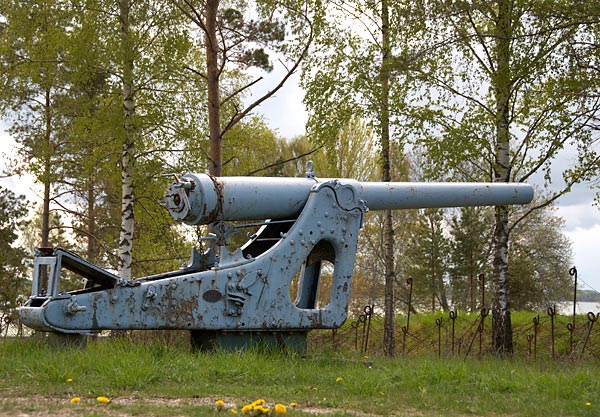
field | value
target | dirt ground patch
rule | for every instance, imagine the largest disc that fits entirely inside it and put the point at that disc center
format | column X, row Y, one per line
column 60, row 406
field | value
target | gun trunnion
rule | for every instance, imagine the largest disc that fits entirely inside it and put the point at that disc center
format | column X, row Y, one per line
column 232, row 299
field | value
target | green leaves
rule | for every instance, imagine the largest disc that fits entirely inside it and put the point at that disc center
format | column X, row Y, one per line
column 13, row 210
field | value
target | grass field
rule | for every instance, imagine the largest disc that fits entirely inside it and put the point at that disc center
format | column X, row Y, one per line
column 162, row 380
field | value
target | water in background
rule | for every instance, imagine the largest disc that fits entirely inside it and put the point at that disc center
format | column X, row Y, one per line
column 583, row 307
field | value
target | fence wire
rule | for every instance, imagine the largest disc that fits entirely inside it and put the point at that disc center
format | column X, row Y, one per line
column 455, row 334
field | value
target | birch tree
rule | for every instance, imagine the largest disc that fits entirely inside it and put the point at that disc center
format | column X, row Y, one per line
column 508, row 97
column 148, row 48
column 129, row 138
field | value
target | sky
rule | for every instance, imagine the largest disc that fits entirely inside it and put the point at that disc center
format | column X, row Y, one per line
column 286, row 114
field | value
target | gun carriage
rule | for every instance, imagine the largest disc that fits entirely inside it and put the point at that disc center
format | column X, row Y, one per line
column 235, row 298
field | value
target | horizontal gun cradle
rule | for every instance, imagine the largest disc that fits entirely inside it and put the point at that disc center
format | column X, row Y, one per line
column 311, row 221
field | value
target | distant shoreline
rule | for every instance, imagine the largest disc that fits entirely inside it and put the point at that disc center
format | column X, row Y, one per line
column 583, row 307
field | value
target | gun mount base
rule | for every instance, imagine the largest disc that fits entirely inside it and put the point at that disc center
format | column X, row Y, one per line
column 280, row 341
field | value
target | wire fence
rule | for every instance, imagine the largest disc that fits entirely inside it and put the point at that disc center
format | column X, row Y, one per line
column 468, row 335
column 452, row 333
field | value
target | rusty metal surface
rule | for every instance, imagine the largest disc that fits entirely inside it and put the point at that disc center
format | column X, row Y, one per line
column 247, row 289
column 238, row 293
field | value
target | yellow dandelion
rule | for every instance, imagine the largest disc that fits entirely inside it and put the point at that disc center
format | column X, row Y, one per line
column 365, row 357
column 293, row 404
column 69, row 379
column 339, row 379
column 260, row 401
column 280, row 409
column 75, row 400
column 247, row 408
column 219, row 404
column 103, row 400
column 233, row 411
column 588, row 404
column 262, row 409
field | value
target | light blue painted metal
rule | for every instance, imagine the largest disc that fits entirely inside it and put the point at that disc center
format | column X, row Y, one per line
column 249, row 289
column 201, row 199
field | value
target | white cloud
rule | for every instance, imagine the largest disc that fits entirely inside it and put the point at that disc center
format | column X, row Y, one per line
column 579, row 216
column 284, row 111
column 586, row 243
column 582, row 227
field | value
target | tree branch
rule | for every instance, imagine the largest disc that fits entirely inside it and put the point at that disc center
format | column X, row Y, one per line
column 295, row 158
column 239, row 116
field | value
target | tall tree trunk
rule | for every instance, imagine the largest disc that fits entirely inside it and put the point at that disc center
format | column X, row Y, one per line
column 91, row 222
column 127, row 158
column 389, row 332
column 45, row 240
column 471, row 283
column 433, row 283
column 47, row 170
column 214, row 99
column 502, row 327
column 215, row 166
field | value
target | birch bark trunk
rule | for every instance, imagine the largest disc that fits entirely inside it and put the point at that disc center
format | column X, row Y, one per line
column 502, row 326
column 389, row 332
column 127, row 157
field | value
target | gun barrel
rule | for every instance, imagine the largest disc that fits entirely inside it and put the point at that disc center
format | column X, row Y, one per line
column 408, row 195
column 202, row 199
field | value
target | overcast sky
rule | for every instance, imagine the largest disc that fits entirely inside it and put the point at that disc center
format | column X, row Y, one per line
column 286, row 114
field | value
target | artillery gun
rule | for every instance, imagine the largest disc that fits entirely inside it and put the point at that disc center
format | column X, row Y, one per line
column 233, row 299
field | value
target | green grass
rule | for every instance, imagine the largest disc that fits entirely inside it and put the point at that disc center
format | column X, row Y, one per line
column 175, row 381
